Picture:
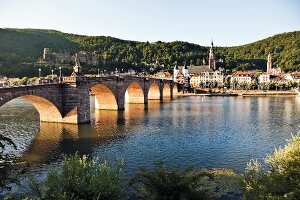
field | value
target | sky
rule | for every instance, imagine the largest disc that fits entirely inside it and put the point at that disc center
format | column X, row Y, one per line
column 227, row 22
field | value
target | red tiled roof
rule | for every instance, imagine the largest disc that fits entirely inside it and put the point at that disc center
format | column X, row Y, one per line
column 244, row 73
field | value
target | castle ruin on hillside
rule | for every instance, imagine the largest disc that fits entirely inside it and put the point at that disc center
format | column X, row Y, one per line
column 64, row 58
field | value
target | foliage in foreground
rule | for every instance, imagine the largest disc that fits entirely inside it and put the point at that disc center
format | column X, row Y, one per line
column 82, row 178
column 282, row 181
column 5, row 162
column 163, row 183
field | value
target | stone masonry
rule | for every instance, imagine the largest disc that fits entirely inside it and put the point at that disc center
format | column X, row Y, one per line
column 69, row 101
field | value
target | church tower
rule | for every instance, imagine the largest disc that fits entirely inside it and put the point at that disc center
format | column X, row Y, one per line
column 269, row 64
column 212, row 58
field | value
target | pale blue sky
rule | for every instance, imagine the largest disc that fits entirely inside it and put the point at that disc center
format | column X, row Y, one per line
column 228, row 22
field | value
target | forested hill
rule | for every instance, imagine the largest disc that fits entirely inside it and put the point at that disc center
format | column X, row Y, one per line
column 22, row 47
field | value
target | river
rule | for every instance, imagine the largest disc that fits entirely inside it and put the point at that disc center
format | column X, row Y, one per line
column 211, row 132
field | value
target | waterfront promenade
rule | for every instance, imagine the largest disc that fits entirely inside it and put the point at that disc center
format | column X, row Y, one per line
column 244, row 93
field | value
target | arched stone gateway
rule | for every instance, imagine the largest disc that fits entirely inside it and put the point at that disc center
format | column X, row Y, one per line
column 134, row 93
column 104, row 97
column 154, row 92
column 166, row 91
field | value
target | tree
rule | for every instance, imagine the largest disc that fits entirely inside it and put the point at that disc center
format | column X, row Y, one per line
column 254, row 83
column 281, row 181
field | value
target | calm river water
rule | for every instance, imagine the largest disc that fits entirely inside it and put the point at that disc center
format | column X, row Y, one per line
column 211, row 132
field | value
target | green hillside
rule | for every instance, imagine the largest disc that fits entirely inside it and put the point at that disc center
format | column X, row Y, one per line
column 20, row 48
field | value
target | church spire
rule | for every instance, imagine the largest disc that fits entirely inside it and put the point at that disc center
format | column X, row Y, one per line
column 212, row 58
column 269, row 63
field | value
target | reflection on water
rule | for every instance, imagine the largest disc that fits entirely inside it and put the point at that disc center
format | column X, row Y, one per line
column 203, row 131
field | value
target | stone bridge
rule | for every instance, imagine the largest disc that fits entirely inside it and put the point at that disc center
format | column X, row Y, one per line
column 69, row 101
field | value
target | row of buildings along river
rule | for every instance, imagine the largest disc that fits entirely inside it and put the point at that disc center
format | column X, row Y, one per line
column 209, row 75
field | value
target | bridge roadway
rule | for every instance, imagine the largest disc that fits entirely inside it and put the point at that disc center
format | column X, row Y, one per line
column 69, row 101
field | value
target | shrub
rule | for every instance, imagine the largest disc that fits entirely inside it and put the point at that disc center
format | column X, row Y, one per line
column 82, row 178
column 162, row 183
column 225, row 184
column 283, row 178
column 6, row 161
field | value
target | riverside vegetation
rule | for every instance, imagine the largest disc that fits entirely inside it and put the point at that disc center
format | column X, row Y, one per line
column 84, row 178
column 20, row 48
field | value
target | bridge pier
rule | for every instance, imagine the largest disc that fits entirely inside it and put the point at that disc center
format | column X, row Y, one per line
column 161, row 93
column 121, row 102
column 76, row 104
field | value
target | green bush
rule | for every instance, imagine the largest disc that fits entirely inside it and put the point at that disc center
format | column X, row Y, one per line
column 6, row 161
column 82, row 178
column 282, row 181
column 162, row 183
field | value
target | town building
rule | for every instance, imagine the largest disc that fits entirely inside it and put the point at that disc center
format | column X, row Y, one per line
column 243, row 77
column 296, row 76
column 3, row 81
column 264, row 78
column 204, row 78
column 293, row 76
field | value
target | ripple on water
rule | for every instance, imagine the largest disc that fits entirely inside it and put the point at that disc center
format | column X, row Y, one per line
column 206, row 132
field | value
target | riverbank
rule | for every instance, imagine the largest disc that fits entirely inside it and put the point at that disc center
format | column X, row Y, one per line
column 245, row 93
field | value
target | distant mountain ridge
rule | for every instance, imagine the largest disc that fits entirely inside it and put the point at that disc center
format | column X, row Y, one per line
column 22, row 47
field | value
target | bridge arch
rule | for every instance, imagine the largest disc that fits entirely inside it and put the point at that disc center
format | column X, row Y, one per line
column 134, row 93
column 48, row 112
column 154, row 92
column 166, row 91
column 105, row 99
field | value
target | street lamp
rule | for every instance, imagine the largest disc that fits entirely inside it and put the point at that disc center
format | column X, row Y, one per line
column 40, row 71
column 59, row 72
column 98, row 73
column 59, row 75
column 52, row 73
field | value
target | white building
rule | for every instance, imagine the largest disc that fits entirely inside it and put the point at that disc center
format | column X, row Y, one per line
column 206, row 77
column 295, row 76
column 264, row 78
column 243, row 77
